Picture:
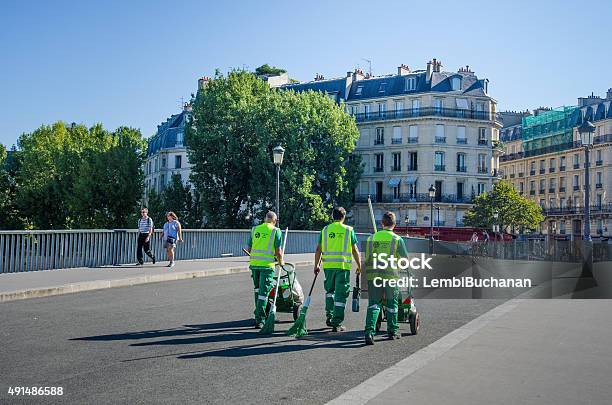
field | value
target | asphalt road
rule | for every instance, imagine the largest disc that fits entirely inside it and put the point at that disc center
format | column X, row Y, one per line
column 192, row 341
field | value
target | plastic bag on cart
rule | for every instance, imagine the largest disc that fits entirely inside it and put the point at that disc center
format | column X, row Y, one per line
column 290, row 286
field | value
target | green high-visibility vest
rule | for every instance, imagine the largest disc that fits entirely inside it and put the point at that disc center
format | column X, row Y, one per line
column 336, row 249
column 262, row 245
column 383, row 241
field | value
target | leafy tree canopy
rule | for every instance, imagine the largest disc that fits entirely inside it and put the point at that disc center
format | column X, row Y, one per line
column 238, row 120
column 269, row 70
column 514, row 210
column 72, row 176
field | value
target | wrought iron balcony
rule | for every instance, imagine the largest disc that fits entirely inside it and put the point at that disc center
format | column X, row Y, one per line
column 414, row 198
column 414, row 139
column 440, row 139
column 483, row 142
column 531, row 192
column 542, row 191
column 413, row 168
column 561, row 168
column 462, row 169
column 396, row 168
column 425, row 112
column 521, row 174
column 551, row 170
column 542, row 171
column 576, row 165
column 532, row 173
column 598, row 185
column 579, row 210
column 440, row 168
column 598, row 162
column 562, row 189
column 551, row 190
column 378, row 169
column 576, row 188
column 396, row 141
column 461, row 141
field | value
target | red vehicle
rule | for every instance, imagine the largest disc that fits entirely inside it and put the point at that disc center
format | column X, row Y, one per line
column 449, row 234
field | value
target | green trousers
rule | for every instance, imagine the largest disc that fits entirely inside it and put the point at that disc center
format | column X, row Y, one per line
column 337, row 288
column 263, row 279
column 376, row 296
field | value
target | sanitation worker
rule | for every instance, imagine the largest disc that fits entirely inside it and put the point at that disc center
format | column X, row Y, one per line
column 337, row 244
column 387, row 242
column 265, row 249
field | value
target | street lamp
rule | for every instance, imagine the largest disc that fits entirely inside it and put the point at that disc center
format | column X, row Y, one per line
column 586, row 137
column 277, row 154
column 495, row 225
column 432, row 194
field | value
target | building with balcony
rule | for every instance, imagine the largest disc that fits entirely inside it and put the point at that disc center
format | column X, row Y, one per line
column 419, row 128
column 544, row 160
column 166, row 153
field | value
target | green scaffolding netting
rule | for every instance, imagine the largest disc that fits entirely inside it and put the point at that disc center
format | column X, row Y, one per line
column 549, row 130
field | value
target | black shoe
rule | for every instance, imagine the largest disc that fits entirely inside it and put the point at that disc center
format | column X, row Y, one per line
column 139, row 264
column 395, row 336
column 340, row 328
column 369, row 340
column 153, row 258
column 259, row 325
column 328, row 322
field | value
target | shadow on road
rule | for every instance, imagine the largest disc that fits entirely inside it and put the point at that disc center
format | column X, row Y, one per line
column 216, row 327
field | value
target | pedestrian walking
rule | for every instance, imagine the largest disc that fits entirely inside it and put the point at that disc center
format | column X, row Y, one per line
column 173, row 233
column 337, row 244
column 145, row 232
column 380, row 292
column 264, row 248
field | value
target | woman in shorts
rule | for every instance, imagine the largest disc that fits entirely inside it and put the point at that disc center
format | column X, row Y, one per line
column 173, row 233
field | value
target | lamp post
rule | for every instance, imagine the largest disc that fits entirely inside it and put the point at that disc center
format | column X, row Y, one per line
column 432, row 194
column 495, row 217
column 277, row 154
column 586, row 137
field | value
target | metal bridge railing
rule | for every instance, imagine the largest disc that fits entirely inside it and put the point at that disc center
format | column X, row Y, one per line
column 22, row 251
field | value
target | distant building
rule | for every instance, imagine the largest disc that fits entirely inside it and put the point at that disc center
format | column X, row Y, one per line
column 545, row 162
column 419, row 128
column 166, row 153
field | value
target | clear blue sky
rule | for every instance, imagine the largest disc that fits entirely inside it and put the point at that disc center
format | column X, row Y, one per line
column 130, row 62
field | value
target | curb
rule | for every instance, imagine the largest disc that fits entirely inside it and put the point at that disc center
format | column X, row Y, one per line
column 124, row 282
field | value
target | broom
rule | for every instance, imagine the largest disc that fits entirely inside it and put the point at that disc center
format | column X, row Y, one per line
column 268, row 327
column 299, row 327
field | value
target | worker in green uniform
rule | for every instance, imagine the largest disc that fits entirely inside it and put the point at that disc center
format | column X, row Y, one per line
column 383, row 242
column 337, row 244
column 265, row 249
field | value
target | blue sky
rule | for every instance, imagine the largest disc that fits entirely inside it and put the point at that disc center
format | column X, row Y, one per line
column 129, row 63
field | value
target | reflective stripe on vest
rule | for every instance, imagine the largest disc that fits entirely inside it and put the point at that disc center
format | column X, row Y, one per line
column 262, row 250
column 335, row 253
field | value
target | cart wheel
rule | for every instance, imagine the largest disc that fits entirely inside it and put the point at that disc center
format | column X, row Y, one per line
column 415, row 322
column 296, row 311
column 379, row 321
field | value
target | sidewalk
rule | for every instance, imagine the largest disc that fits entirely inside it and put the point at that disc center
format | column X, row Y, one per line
column 16, row 286
column 522, row 352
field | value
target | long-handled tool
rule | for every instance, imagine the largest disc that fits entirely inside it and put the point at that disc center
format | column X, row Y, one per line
column 299, row 327
column 356, row 294
column 268, row 327
column 372, row 214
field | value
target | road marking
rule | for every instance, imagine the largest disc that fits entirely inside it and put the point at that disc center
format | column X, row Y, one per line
column 377, row 384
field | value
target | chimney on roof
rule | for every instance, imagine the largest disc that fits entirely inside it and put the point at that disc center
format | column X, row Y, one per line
column 319, row 77
column 436, row 65
column 403, row 70
column 203, row 82
column 358, row 75
column 429, row 70
column 589, row 100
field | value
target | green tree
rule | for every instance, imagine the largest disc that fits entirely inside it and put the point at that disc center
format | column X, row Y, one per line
column 238, row 120
column 156, row 206
column 514, row 211
column 110, row 186
column 181, row 199
column 79, row 177
column 11, row 217
column 269, row 70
